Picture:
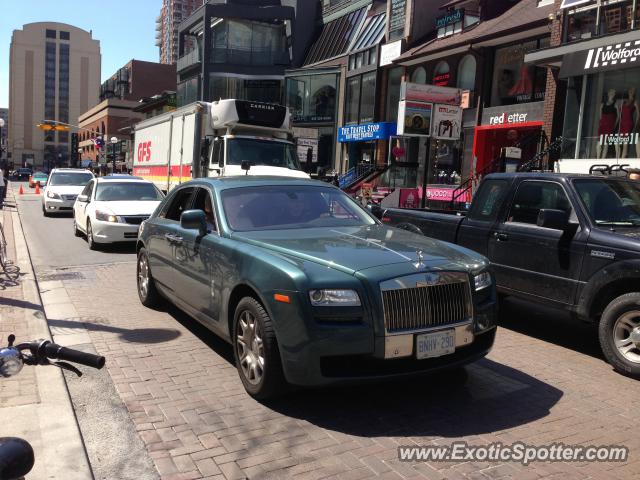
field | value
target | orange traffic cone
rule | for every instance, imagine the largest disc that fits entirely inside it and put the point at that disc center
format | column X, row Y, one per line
column 20, row 192
column 37, row 188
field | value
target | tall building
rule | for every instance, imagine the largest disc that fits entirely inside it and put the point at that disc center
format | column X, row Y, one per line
column 172, row 13
column 54, row 74
column 4, row 116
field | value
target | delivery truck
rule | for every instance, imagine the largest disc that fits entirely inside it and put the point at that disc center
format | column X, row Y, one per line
column 223, row 138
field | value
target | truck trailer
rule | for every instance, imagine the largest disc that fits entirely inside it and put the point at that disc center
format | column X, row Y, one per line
column 214, row 139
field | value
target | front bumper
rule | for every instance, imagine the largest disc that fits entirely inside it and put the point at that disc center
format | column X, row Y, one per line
column 317, row 353
column 58, row 205
column 111, row 232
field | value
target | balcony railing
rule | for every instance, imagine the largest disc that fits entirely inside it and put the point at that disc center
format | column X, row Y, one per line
column 188, row 60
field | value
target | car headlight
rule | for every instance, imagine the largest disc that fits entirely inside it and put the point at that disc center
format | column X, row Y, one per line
column 482, row 280
column 106, row 217
column 330, row 298
column 51, row 194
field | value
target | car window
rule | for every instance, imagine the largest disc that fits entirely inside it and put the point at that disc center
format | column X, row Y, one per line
column 70, row 178
column 535, row 195
column 87, row 189
column 202, row 201
column 178, row 204
column 488, row 199
column 610, row 203
column 127, row 191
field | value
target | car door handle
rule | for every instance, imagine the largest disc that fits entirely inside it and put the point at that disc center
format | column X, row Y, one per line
column 171, row 238
column 177, row 240
column 501, row 237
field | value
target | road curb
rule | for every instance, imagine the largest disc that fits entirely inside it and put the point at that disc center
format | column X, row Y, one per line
column 60, row 452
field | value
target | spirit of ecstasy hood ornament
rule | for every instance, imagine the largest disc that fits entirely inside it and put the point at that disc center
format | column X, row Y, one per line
column 419, row 263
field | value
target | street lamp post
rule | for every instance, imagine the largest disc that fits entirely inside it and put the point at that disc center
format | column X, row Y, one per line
column 114, row 140
column 80, row 157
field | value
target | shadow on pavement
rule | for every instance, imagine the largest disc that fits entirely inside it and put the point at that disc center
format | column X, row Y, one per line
column 550, row 325
column 10, row 277
column 14, row 302
column 494, row 397
column 118, row 248
column 136, row 335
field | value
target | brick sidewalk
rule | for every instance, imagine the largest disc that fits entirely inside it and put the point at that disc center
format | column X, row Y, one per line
column 35, row 404
column 182, row 390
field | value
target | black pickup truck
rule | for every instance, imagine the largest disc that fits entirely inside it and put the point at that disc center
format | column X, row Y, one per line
column 569, row 241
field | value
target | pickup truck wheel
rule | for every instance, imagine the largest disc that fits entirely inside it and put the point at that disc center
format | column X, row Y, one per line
column 619, row 333
column 256, row 351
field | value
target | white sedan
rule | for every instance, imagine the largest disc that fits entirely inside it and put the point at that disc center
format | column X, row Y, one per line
column 110, row 209
column 62, row 188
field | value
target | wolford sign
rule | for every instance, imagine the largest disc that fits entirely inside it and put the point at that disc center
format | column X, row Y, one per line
column 611, row 57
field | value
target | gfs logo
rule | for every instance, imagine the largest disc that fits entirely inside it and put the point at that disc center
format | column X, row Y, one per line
column 144, row 151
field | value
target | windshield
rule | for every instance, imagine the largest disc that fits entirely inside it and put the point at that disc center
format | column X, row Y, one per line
column 610, row 203
column 262, row 152
column 127, row 191
column 279, row 207
column 70, row 178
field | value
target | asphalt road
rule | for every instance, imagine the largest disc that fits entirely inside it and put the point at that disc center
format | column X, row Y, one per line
column 51, row 240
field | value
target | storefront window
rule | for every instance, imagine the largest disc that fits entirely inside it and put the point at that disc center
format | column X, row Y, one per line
column 467, row 73
column 393, row 93
column 441, row 74
column 611, row 113
column 446, row 162
column 367, row 98
column 513, row 80
column 353, row 100
column 419, row 75
column 312, row 98
column 187, row 91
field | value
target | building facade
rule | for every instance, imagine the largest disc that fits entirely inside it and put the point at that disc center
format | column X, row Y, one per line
column 54, row 74
column 595, row 60
column 239, row 49
column 138, row 79
column 172, row 13
column 4, row 124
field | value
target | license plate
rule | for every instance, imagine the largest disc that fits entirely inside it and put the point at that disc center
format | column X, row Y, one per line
column 435, row 344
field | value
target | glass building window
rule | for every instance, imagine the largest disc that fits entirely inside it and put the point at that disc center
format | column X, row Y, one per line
column 312, row 98
column 187, row 91
column 249, row 43
column 393, row 93
column 50, row 85
column 513, row 80
column 258, row 90
column 64, row 35
column 63, row 89
column 467, row 73
column 603, row 18
column 419, row 75
column 50, row 33
column 368, row 97
column 352, row 100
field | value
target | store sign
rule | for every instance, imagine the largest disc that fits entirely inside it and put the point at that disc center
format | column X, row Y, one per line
column 447, row 122
column 445, row 194
column 450, row 18
column 514, row 114
column 417, row 92
column 620, row 139
column 389, row 52
column 414, row 118
column 397, row 18
column 304, row 145
column 611, row 57
column 369, row 131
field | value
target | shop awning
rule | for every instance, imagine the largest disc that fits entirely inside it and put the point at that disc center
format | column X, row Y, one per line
column 555, row 56
column 371, row 33
column 335, row 38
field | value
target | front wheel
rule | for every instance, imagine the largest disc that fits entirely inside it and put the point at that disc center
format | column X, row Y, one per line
column 256, row 351
column 76, row 230
column 147, row 291
column 619, row 334
column 90, row 240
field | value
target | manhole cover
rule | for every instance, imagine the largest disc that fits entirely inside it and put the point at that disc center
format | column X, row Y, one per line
column 46, row 277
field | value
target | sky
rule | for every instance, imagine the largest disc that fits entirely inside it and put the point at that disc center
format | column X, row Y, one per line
column 125, row 28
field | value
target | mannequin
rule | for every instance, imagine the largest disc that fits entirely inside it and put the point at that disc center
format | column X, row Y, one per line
column 609, row 117
column 629, row 113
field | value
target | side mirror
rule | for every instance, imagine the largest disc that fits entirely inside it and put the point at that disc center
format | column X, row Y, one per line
column 194, row 220
column 82, row 198
column 551, row 218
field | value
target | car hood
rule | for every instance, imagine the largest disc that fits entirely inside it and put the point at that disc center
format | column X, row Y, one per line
column 128, row 207
column 66, row 189
column 352, row 249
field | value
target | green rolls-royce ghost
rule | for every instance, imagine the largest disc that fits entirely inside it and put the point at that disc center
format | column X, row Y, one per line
column 311, row 289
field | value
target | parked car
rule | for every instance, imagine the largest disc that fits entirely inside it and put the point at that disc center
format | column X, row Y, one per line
column 110, row 209
column 38, row 178
column 62, row 188
column 309, row 288
column 23, row 173
column 569, row 241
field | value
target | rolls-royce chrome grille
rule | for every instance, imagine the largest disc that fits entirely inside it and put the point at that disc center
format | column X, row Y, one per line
column 442, row 299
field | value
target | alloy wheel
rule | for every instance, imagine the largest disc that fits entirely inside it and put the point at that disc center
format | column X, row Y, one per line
column 143, row 276
column 626, row 335
column 250, row 347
